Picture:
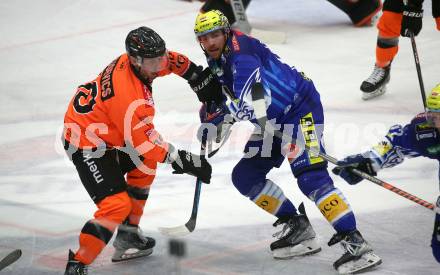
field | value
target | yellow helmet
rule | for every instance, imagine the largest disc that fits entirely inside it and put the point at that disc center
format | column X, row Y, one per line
column 433, row 100
column 211, row 21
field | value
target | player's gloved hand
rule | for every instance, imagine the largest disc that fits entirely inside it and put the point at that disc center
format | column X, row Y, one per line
column 206, row 86
column 216, row 122
column 186, row 162
column 437, row 22
column 411, row 20
column 360, row 162
column 435, row 242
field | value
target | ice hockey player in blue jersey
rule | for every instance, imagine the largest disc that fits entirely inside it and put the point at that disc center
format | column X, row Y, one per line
column 240, row 65
column 421, row 137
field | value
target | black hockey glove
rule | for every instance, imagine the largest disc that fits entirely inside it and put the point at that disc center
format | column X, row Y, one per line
column 207, row 87
column 360, row 162
column 411, row 20
column 184, row 162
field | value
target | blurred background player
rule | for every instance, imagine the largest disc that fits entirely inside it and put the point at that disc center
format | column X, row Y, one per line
column 243, row 65
column 421, row 137
column 399, row 18
column 360, row 12
column 109, row 133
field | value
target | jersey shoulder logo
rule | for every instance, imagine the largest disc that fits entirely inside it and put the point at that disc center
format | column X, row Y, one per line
column 235, row 44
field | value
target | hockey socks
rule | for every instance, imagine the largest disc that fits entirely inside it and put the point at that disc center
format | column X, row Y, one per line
column 271, row 199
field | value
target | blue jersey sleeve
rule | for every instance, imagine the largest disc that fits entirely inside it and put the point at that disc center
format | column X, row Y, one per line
column 394, row 148
column 418, row 138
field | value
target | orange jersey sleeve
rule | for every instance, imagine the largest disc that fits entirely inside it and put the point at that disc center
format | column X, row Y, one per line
column 180, row 65
column 116, row 109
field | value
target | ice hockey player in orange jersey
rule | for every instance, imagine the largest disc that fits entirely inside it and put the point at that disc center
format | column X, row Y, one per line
column 109, row 133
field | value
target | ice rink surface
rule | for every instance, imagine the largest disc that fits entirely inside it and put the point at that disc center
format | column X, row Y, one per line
column 48, row 48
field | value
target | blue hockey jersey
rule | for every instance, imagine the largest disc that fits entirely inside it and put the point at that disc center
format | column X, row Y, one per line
column 418, row 138
column 246, row 61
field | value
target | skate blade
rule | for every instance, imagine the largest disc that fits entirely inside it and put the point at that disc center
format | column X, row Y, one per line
column 380, row 91
column 307, row 247
column 366, row 262
column 132, row 253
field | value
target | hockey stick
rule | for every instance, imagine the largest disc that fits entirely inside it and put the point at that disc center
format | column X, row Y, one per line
column 211, row 152
column 244, row 26
column 10, row 258
column 190, row 225
column 259, row 106
column 419, row 71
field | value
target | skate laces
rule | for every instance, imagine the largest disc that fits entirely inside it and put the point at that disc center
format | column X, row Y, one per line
column 80, row 269
column 355, row 248
column 377, row 74
column 286, row 226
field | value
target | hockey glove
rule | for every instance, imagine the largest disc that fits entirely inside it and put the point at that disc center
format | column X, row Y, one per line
column 216, row 122
column 360, row 162
column 435, row 242
column 184, row 162
column 207, row 87
column 411, row 20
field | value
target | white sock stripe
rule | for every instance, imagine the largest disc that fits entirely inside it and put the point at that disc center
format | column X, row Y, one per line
column 272, row 190
column 342, row 214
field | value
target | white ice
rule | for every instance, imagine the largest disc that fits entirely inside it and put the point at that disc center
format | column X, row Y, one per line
column 48, row 48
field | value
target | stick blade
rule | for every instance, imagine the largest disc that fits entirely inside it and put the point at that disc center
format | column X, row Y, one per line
column 269, row 37
column 178, row 231
column 10, row 258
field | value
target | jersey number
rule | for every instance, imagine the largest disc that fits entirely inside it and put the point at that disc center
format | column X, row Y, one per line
column 85, row 98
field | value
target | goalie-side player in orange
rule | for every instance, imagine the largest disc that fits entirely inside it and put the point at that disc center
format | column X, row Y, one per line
column 108, row 132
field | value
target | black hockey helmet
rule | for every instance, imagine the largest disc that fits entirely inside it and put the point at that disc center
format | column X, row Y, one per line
column 145, row 43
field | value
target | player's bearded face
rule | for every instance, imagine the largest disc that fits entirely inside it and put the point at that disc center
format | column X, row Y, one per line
column 213, row 43
column 151, row 67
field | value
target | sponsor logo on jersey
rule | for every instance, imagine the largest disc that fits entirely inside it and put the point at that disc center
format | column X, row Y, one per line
column 106, row 84
column 311, row 139
column 235, row 44
column 147, row 95
column 122, row 66
column 423, row 127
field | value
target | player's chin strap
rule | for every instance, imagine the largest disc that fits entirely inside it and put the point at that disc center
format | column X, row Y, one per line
column 259, row 106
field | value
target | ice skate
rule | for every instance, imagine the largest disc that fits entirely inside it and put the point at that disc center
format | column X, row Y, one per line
column 375, row 84
column 358, row 256
column 297, row 238
column 131, row 244
column 74, row 267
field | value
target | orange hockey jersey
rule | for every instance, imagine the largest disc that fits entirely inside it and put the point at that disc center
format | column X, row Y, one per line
column 117, row 109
